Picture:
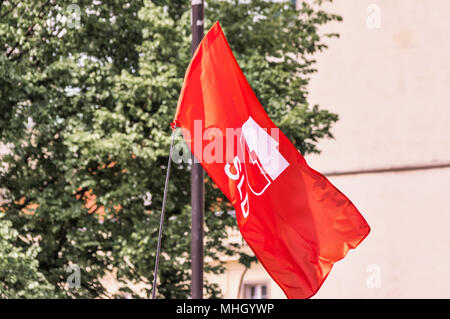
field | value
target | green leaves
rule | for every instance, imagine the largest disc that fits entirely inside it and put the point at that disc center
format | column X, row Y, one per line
column 85, row 111
column 19, row 273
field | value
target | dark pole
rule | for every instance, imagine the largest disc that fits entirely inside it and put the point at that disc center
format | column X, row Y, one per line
column 197, row 187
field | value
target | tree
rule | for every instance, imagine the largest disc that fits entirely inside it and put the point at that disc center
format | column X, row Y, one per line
column 19, row 273
column 87, row 92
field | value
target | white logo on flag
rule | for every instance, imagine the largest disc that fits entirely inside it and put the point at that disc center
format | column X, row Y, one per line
column 262, row 162
column 262, row 152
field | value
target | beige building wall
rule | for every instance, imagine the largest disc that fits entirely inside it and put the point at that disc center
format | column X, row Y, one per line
column 388, row 78
column 237, row 276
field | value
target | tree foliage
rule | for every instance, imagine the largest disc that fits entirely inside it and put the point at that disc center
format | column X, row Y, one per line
column 85, row 107
column 19, row 273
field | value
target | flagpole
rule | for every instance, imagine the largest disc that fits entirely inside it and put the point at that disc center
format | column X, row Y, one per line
column 161, row 221
column 197, row 184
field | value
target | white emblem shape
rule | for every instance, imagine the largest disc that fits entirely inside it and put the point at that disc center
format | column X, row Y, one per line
column 262, row 152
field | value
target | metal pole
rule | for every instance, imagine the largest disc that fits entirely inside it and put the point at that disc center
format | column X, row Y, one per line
column 197, row 185
column 161, row 222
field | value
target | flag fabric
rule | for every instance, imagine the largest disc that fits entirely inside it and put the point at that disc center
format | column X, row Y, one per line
column 294, row 220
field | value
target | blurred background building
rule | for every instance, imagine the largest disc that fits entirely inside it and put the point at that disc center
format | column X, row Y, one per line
column 388, row 79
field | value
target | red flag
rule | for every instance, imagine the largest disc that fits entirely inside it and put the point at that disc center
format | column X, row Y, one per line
column 295, row 221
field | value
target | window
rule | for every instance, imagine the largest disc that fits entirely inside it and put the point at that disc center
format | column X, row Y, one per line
column 255, row 291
